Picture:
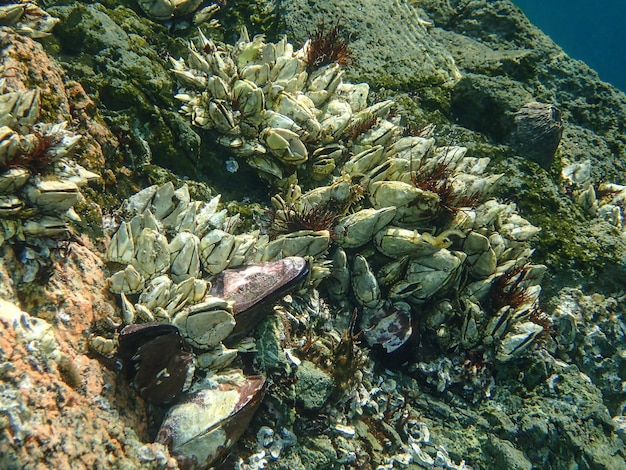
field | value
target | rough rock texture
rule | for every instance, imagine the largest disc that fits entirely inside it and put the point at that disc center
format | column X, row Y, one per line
column 60, row 407
column 493, row 42
column 116, row 56
column 392, row 45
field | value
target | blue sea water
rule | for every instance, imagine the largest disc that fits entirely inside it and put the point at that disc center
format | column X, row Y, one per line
column 590, row 31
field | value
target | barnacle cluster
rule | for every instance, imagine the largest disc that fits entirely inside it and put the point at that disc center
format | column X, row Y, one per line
column 416, row 242
column 603, row 200
column 39, row 184
column 27, row 18
column 182, row 264
column 394, row 228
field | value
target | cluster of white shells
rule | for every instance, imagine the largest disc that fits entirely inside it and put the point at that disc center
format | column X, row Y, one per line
column 33, row 205
column 27, row 18
column 400, row 251
column 266, row 107
column 606, row 200
column 166, row 251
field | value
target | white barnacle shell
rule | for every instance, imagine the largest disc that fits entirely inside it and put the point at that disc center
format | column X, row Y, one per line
column 144, row 220
column 356, row 229
column 301, row 243
column 13, row 179
column 10, row 143
column 354, row 94
column 45, row 226
column 128, row 281
column 192, row 290
column 434, row 273
column 380, row 134
column 285, row 144
column 68, row 170
column 19, row 110
column 323, row 82
column 121, row 249
column 410, row 148
column 517, row 340
column 335, row 119
column 481, row 257
column 250, row 98
column 206, row 324
column 216, row 248
column 152, row 256
column 52, row 195
column 364, row 161
column 244, row 249
column 340, row 275
column 10, row 205
column 518, row 228
column 578, row 173
column 216, row 358
column 184, row 256
column 488, row 213
column 141, row 201
column 157, row 292
column 396, row 242
column 364, row 284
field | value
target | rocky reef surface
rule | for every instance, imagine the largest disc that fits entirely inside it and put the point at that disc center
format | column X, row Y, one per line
column 477, row 71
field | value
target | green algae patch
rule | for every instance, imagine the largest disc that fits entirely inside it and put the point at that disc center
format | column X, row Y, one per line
column 575, row 249
column 121, row 60
column 313, row 386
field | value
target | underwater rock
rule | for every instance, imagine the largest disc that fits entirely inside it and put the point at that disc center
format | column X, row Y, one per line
column 399, row 51
column 488, row 104
column 313, row 386
column 376, row 404
column 538, row 132
column 505, row 455
column 114, row 55
column 58, row 404
column 591, row 333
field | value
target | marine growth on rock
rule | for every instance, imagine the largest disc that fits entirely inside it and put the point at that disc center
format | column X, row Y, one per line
column 416, row 243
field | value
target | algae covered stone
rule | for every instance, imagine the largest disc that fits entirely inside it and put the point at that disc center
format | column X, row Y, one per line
column 313, row 386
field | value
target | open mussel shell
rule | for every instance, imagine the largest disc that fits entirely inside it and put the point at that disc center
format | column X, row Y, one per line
column 156, row 360
column 255, row 286
column 200, row 429
column 390, row 332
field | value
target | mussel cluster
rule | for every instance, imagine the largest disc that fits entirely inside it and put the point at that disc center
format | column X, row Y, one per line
column 39, row 185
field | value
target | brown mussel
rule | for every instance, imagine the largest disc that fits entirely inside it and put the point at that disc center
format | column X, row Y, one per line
column 157, row 361
column 201, row 428
column 255, row 286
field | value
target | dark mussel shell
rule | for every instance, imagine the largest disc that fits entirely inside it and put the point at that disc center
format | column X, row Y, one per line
column 157, row 361
column 391, row 332
column 256, row 286
column 200, row 429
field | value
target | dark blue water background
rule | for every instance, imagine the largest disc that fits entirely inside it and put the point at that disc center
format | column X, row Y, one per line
column 594, row 32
